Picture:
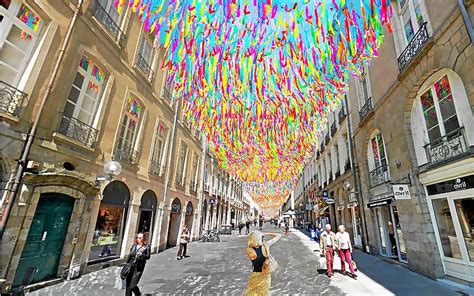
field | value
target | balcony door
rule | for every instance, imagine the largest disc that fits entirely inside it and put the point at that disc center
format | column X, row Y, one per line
column 129, row 128
column 412, row 18
column 377, row 158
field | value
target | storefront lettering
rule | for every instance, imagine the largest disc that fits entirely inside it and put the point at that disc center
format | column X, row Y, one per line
column 451, row 185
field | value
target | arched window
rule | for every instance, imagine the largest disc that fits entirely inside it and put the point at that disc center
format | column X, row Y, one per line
column 441, row 119
column 377, row 160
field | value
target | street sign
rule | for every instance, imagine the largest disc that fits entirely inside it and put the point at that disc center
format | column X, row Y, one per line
column 329, row 201
column 401, row 191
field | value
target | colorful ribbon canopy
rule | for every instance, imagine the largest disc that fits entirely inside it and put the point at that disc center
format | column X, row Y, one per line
column 259, row 77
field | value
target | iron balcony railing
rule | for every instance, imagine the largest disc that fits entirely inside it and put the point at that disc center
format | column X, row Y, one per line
column 341, row 115
column 11, row 99
column 192, row 186
column 327, row 139
column 109, row 24
column 366, row 109
column 126, row 153
column 415, row 45
column 347, row 166
column 166, row 95
column 179, row 179
column 143, row 65
column 379, row 176
column 333, row 128
column 448, row 147
column 321, row 147
column 77, row 130
column 154, row 167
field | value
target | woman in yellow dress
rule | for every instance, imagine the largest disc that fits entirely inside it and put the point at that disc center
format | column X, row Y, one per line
column 260, row 279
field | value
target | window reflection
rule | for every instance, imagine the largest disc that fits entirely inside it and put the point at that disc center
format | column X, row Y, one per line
column 447, row 234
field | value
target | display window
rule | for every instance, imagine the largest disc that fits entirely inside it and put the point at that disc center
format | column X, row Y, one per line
column 108, row 232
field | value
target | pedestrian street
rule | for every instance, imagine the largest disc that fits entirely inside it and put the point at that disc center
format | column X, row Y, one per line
column 222, row 268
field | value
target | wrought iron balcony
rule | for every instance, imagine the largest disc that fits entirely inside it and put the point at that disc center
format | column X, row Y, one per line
column 109, row 24
column 341, row 115
column 77, row 130
column 143, row 65
column 321, row 148
column 179, row 179
column 379, row 176
column 333, row 128
column 449, row 147
column 166, row 95
column 327, row 139
column 415, row 45
column 126, row 153
column 192, row 186
column 347, row 166
column 154, row 167
column 366, row 109
column 11, row 99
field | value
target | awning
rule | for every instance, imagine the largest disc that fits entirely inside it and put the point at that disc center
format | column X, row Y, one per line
column 379, row 202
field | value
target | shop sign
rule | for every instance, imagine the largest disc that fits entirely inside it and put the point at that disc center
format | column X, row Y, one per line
column 401, row 191
column 212, row 201
column 329, row 201
column 325, row 194
column 340, row 208
column 457, row 184
column 352, row 205
column 379, row 203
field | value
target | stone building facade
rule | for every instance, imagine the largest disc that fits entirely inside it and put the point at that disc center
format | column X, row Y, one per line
column 108, row 101
column 411, row 111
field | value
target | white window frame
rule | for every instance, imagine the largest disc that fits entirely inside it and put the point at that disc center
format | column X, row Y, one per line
column 137, row 129
column 109, row 6
column 9, row 20
column 163, row 138
column 153, row 56
column 88, row 77
column 182, row 170
column 410, row 7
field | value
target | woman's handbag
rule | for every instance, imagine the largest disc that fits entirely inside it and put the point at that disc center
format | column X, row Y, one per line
column 354, row 265
column 127, row 269
column 272, row 264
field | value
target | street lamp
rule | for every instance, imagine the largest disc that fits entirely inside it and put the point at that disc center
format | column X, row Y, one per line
column 111, row 169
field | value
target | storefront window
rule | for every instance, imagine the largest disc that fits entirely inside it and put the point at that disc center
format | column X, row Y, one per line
column 401, row 239
column 465, row 211
column 108, row 232
column 447, row 233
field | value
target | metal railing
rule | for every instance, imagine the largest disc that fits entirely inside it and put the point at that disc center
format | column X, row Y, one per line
column 109, row 24
column 415, row 45
column 379, row 176
column 327, row 139
column 341, row 115
column 143, row 65
column 450, row 146
column 154, row 167
column 77, row 130
column 126, row 153
column 166, row 95
column 11, row 99
column 192, row 186
column 366, row 109
column 333, row 128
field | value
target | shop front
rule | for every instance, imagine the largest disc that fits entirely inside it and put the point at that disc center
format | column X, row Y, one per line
column 390, row 240
column 354, row 216
column 147, row 215
column 451, row 205
column 111, row 221
column 174, row 223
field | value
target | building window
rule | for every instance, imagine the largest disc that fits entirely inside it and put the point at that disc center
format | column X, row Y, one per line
column 378, row 164
column 446, row 231
column 195, row 168
column 181, row 163
column 438, row 110
column 128, row 135
column 80, row 111
column 158, row 153
column 412, row 18
column 19, row 33
column 144, row 59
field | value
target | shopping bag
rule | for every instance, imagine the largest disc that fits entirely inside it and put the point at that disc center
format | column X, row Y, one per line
column 354, row 265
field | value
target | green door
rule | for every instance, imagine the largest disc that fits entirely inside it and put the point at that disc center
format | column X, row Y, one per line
column 45, row 239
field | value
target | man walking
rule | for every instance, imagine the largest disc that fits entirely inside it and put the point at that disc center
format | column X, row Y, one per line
column 247, row 226
column 327, row 244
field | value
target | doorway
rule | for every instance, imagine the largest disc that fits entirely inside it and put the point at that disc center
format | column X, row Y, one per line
column 44, row 244
column 147, row 215
column 174, row 223
column 391, row 240
column 189, row 217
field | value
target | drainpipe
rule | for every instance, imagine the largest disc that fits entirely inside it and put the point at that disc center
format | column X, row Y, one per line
column 357, row 183
column 34, row 127
column 201, row 185
column 467, row 20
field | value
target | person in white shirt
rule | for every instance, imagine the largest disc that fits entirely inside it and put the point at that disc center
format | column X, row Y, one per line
column 345, row 249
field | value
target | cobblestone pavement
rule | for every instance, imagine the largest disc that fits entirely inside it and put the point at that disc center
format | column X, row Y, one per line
column 212, row 269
